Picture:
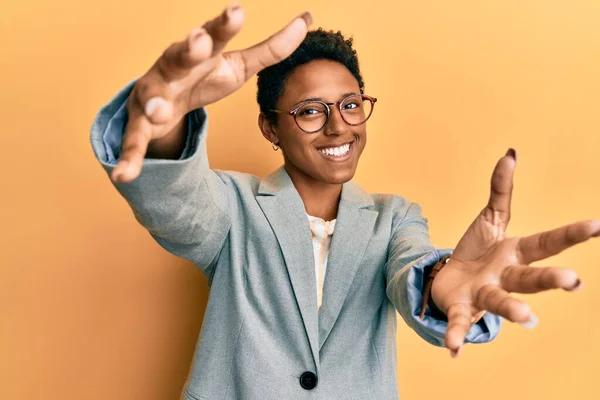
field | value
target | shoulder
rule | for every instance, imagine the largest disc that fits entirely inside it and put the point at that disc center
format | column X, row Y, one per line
column 381, row 202
column 388, row 205
column 242, row 182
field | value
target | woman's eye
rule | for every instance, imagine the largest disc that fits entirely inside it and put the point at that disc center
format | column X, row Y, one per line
column 351, row 106
column 310, row 111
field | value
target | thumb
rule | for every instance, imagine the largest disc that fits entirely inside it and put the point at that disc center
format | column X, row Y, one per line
column 276, row 48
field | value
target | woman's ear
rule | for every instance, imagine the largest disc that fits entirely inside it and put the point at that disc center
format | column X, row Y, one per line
column 266, row 127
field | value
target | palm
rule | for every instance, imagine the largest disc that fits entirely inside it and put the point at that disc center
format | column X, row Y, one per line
column 233, row 69
column 486, row 265
column 200, row 88
column 228, row 75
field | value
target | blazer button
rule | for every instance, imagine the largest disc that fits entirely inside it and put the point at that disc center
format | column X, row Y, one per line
column 308, row 380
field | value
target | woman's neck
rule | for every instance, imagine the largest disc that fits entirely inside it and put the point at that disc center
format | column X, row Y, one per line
column 321, row 199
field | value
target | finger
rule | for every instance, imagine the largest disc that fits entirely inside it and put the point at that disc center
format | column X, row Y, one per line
column 477, row 317
column 152, row 91
column 459, row 323
column 546, row 244
column 527, row 279
column 497, row 210
column 224, row 27
column 181, row 57
column 276, row 48
column 133, row 150
column 499, row 302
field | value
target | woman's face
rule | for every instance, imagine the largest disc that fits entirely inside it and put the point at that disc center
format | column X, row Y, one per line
column 331, row 154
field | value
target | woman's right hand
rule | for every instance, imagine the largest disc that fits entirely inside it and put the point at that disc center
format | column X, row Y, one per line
column 192, row 74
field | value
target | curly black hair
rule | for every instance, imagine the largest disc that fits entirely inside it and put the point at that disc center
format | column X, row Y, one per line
column 318, row 45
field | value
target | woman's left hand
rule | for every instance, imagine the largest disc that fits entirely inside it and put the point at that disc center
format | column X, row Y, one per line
column 486, row 265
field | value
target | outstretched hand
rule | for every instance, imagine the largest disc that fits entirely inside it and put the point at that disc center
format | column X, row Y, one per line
column 486, row 265
column 193, row 73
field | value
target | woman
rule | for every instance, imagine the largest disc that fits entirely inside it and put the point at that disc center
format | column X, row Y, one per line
column 306, row 269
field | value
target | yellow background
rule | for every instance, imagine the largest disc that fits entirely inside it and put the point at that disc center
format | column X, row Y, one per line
column 91, row 308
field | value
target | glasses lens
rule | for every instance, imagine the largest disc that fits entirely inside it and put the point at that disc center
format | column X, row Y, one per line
column 311, row 117
column 356, row 110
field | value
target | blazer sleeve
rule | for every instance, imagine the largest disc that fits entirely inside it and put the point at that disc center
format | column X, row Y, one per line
column 411, row 253
column 182, row 203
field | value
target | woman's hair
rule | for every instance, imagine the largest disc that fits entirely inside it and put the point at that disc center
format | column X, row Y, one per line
column 318, row 45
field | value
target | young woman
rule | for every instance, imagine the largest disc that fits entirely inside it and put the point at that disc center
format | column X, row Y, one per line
column 306, row 269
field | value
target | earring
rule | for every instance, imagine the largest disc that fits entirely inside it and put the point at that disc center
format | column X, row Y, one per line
column 275, row 146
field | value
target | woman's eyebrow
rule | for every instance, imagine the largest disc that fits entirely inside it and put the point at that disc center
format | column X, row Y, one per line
column 321, row 99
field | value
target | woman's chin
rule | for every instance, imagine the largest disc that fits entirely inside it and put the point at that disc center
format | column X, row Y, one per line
column 339, row 177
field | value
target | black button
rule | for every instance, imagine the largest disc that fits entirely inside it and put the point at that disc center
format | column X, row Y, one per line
column 308, row 380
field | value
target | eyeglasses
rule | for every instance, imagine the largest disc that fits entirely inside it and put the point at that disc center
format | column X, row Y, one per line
column 313, row 115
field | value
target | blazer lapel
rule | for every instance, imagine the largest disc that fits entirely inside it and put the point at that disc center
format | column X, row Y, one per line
column 353, row 230
column 285, row 211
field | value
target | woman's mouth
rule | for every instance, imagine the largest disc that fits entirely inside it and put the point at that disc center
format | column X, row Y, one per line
column 337, row 153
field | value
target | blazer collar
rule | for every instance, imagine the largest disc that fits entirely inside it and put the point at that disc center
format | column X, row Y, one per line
column 279, row 181
column 286, row 213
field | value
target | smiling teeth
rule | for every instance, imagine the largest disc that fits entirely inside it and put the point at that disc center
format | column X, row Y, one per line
column 336, row 151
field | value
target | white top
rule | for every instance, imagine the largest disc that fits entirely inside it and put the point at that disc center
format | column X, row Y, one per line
column 322, row 231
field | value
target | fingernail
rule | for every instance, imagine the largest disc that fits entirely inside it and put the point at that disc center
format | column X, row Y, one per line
column 118, row 171
column 234, row 6
column 577, row 286
column 513, row 153
column 128, row 172
column 596, row 226
column 533, row 321
column 195, row 34
column 455, row 353
column 153, row 105
column 229, row 11
column 307, row 17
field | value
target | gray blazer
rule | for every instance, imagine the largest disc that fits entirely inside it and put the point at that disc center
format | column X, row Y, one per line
column 262, row 337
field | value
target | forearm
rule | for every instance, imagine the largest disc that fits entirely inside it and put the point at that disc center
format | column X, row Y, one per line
column 181, row 202
column 171, row 146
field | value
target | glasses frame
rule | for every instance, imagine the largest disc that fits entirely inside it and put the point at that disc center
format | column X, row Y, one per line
column 294, row 111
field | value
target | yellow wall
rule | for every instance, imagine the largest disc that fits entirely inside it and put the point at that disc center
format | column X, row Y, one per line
column 91, row 308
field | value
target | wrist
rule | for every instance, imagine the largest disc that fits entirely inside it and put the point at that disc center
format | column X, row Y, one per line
column 430, row 275
column 171, row 145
